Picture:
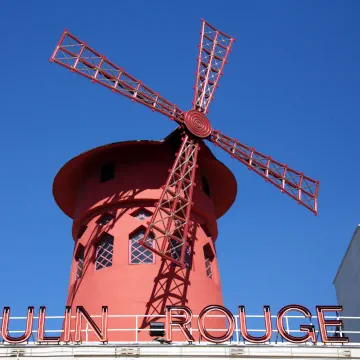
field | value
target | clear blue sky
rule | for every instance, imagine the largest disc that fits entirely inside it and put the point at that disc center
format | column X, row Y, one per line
column 291, row 90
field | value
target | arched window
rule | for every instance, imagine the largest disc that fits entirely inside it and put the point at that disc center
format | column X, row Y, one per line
column 141, row 214
column 79, row 261
column 104, row 252
column 104, row 219
column 208, row 258
column 138, row 253
column 176, row 248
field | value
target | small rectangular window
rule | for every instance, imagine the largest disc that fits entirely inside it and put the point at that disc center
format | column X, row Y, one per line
column 206, row 230
column 104, row 252
column 81, row 231
column 208, row 258
column 107, row 172
column 80, row 262
column 205, row 186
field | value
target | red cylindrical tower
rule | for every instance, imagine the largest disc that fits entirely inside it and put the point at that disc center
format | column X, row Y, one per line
column 110, row 192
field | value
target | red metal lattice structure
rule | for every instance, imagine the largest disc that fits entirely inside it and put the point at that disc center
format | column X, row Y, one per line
column 170, row 221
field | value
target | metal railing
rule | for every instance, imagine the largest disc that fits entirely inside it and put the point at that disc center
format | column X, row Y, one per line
column 136, row 325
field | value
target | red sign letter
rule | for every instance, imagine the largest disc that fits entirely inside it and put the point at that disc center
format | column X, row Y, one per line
column 101, row 334
column 205, row 333
column 308, row 328
column 184, row 310
column 324, row 323
column 67, row 323
column 5, row 326
column 243, row 327
column 41, row 329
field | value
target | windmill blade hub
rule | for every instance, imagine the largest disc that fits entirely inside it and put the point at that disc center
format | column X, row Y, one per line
column 197, row 123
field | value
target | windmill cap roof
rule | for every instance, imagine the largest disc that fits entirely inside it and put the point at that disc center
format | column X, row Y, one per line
column 68, row 179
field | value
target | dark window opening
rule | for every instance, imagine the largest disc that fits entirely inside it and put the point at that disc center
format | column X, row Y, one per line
column 104, row 252
column 175, row 251
column 208, row 258
column 81, row 231
column 104, row 219
column 205, row 186
column 107, row 172
column 79, row 261
column 206, row 230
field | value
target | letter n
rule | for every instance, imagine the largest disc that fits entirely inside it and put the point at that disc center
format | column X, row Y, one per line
column 101, row 334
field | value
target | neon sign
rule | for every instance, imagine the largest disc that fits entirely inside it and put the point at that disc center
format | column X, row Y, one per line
column 181, row 317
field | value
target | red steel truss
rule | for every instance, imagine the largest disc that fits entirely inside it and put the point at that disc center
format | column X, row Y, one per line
column 75, row 55
column 171, row 219
column 293, row 183
column 214, row 49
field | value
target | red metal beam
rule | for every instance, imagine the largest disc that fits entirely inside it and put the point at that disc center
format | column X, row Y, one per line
column 77, row 56
column 291, row 182
column 171, row 219
column 214, row 49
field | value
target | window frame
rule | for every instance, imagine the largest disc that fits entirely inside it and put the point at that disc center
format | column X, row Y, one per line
column 109, row 217
column 97, row 244
column 209, row 258
column 79, row 253
column 135, row 213
column 137, row 230
column 188, row 254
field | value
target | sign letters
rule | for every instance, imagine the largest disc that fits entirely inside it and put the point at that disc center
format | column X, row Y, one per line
column 181, row 317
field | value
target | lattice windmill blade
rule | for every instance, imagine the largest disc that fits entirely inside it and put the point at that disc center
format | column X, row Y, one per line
column 214, row 49
column 167, row 232
column 291, row 182
column 77, row 56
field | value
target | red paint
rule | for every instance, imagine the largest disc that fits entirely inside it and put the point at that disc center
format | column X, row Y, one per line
column 310, row 329
column 183, row 322
column 217, row 339
column 320, row 310
column 5, row 326
column 141, row 168
column 101, row 334
column 268, row 326
column 41, row 338
column 181, row 318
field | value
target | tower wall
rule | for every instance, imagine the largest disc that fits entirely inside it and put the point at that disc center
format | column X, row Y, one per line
column 129, row 288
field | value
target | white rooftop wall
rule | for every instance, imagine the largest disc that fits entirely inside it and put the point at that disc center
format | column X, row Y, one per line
column 181, row 352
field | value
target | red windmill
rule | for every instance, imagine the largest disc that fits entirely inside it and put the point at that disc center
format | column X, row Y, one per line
column 170, row 220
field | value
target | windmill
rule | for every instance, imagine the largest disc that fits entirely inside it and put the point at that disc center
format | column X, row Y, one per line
column 170, row 221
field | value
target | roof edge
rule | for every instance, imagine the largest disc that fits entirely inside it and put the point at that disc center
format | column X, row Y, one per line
column 346, row 252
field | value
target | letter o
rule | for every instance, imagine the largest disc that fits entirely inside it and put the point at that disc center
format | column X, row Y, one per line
column 205, row 333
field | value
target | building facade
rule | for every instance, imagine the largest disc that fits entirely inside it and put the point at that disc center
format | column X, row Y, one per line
column 347, row 286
